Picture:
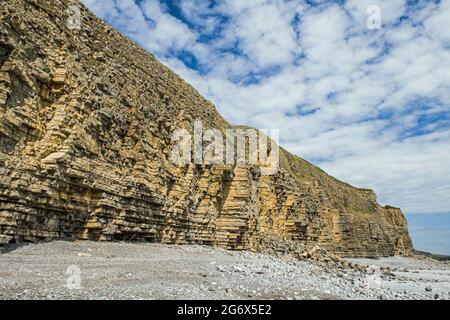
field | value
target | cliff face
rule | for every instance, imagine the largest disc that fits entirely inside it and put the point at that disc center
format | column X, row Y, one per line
column 85, row 140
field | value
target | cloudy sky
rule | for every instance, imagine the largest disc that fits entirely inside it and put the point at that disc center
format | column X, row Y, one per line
column 370, row 106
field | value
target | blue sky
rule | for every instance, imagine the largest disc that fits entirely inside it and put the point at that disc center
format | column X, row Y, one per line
column 371, row 107
column 430, row 232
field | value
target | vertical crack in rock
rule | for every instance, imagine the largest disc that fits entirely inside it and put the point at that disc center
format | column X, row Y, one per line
column 5, row 51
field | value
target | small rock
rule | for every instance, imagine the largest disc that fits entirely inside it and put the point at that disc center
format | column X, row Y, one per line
column 436, row 296
column 81, row 254
column 238, row 269
column 220, row 268
column 428, row 289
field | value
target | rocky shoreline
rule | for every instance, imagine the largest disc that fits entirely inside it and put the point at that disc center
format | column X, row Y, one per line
column 122, row 270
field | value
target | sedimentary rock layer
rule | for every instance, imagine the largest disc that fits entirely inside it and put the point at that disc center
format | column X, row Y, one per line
column 86, row 119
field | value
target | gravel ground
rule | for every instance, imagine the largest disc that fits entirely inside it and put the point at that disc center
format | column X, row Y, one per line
column 94, row 270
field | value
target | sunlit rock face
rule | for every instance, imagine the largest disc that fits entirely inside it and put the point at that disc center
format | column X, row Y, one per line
column 86, row 119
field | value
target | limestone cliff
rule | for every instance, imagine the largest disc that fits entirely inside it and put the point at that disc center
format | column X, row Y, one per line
column 85, row 124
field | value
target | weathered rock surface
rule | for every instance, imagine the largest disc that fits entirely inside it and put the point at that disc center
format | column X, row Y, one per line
column 86, row 119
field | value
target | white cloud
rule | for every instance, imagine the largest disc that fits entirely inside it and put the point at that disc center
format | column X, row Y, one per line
column 437, row 25
column 264, row 31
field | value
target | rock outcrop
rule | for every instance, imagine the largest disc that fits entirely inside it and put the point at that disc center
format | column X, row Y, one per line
column 85, row 138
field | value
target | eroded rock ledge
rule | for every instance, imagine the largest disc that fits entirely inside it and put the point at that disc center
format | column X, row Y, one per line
column 85, row 123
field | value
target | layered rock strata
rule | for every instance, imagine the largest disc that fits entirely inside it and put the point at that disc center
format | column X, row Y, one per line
column 86, row 119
